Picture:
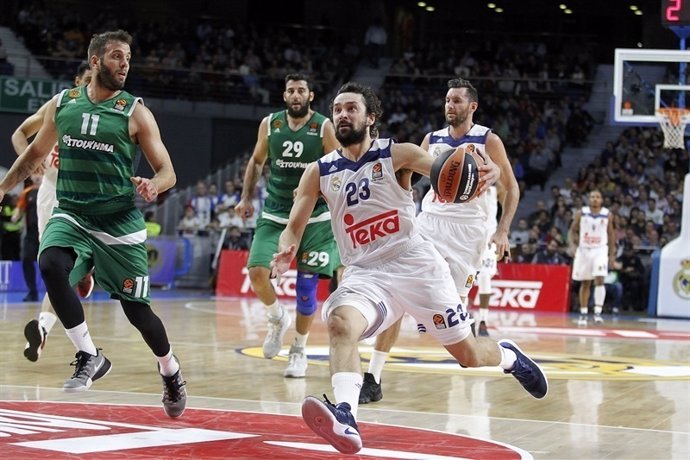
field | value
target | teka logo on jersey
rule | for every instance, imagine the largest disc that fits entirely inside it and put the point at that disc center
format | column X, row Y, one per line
column 284, row 285
column 515, row 294
column 367, row 231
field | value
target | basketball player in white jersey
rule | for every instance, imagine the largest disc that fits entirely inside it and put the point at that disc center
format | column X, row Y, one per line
column 488, row 267
column 391, row 269
column 37, row 330
column 593, row 242
column 462, row 232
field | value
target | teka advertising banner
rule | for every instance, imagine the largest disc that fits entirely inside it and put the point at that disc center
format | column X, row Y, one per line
column 529, row 287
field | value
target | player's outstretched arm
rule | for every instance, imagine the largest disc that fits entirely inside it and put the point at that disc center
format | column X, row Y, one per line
column 30, row 159
column 410, row 156
column 28, row 128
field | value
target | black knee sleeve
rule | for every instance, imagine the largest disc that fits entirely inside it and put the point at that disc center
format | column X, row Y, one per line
column 55, row 265
column 149, row 325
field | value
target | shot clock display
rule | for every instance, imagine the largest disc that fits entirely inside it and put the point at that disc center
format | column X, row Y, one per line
column 675, row 13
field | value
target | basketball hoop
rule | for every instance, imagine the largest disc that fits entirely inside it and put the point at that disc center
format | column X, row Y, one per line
column 673, row 121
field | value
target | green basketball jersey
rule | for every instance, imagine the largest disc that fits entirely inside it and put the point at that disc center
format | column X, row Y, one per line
column 290, row 152
column 96, row 152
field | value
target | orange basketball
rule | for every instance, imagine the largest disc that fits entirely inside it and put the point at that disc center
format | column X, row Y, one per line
column 455, row 174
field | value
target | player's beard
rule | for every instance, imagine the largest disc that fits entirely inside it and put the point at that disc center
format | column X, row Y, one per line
column 351, row 137
column 459, row 119
column 107, row 79
column 301, row 112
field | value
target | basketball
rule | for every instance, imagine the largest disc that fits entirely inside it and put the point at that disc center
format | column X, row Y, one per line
column 455, row 174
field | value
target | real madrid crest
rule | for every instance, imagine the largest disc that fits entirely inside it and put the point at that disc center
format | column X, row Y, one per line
column 681, row 282
column 335, row 183
column 74, row 93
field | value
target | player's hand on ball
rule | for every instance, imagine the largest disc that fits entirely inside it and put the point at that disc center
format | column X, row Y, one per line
column 490, row 173
column 145, row 188
column 281, row 260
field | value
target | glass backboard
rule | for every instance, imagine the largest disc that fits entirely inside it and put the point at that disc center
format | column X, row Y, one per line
column 645, row 80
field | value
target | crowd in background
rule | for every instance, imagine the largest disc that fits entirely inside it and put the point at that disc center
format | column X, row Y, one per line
column 193, row 59
column 531, row 93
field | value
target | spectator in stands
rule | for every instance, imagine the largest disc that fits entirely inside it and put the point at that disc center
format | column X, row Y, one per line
column 202, row 205
column 26, row 209
column 626, row 206
column 578, row 126
column 229, row 218
column 229, row 198
column 554, row 198
column 632, row 276
column 538, row 167
column 550, row 255
column 190, row 224
column 11, row 231
column 562, row 219
column 614, row 288
column 375, row 41
column 653, row 213
column 214, row 195
column 526, row 253
column 521, row 234
column 6, row 68
column 235, row 240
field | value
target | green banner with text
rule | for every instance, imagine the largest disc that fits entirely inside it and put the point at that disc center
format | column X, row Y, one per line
column 26, row 95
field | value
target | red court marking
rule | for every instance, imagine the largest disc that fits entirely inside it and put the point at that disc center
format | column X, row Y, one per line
column 262, row 434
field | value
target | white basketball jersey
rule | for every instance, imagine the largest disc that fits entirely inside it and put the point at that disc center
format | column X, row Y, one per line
column 594, row 228
column 50, row 163
column 47, row 196
column 439, row 142
column 372, row 216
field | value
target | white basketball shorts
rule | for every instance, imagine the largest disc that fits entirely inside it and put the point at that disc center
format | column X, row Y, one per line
column 417, row 282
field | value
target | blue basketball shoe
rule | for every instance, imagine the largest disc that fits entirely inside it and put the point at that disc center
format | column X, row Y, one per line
column 526, row 371
column 333, row 422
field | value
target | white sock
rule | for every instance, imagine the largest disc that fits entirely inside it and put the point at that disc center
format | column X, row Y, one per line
column 584, row 310
column 599, row 298
column 169, row 365
column 46, row 320
column 378, row 359
column 275, row 310
column 346, row 388
column 301, row 340
column 80, row 337
column 508, row 358
column 483, row 314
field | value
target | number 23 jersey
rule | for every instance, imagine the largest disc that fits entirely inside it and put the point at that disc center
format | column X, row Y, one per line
column 372, row 216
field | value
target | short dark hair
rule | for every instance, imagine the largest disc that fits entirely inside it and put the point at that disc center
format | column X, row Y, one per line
column 83, row 67
column 298, row 77
column 371, row 102
column 99, row 41
column 462, row 83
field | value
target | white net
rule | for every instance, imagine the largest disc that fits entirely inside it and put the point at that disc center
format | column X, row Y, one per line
column 673, row 122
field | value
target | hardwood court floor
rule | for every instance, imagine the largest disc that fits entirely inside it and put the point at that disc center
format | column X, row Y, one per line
column 620, row 390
